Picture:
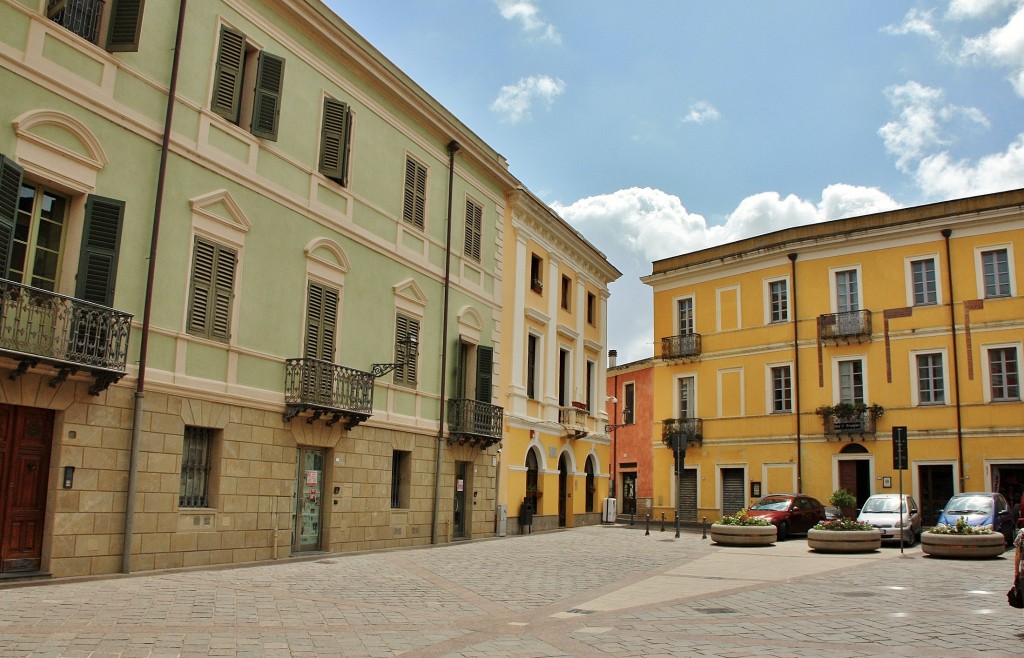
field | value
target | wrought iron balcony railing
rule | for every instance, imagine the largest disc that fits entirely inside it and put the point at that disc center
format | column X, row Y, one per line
column 862, row 424
column 574, row 420
column 39, row 326
column 79, row 16
column 845, row 326
column 682, row 432
column 327, row 388
column 680, row 347
column 474, row 422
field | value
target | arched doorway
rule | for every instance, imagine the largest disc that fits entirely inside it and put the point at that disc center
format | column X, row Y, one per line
column 854, row 471
column 563, row 489
column 590, row 469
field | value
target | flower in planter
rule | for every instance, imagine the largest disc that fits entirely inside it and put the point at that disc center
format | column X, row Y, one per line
column 741, row 518
column 843, row 525
column 961, row 527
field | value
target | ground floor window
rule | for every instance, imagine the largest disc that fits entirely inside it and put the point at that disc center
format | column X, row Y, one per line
column 196, row 453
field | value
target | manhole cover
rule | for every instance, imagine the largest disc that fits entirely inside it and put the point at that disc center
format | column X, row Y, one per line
column 716, row 611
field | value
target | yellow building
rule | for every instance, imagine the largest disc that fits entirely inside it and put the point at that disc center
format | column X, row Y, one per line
column 787, row 359
column 555, row 449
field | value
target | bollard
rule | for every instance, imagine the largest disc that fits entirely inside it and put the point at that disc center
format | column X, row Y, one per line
column 631, row 519
column 648, row 525
column 704, row 525
column 663, row 522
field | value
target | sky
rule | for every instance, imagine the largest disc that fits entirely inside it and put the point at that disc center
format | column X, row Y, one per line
column 660, row 127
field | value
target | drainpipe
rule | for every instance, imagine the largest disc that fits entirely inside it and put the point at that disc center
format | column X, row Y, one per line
column 796, row 379
column 140, row 384
column 453, row 148
column 956, row 362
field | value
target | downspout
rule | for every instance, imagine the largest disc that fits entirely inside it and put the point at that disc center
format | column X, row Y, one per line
column 453, row 148
column 140, row 384
column 956, row 362
column 796, row 379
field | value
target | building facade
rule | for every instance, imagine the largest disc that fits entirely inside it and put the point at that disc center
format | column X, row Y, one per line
column 630, row 395
column 316, row 361
column 555, row 453
column 787, row 359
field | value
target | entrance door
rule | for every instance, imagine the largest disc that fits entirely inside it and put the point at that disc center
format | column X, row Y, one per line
column 460, row 512
column 936, row 482
column 734, row 491
column 25, row 438
column 629, row 493
column 855, row 477
column 563, row 483
column 688, row 494
column 309, row 502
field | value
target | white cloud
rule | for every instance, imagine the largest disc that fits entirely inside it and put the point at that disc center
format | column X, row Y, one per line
column 965, row 9
column 516, row 100
column 915, row 22
column 529, row 18
column 1002, row 46
column 700, row 112
column 939, row 176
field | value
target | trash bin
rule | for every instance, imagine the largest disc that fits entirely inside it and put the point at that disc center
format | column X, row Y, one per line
column 526, row 515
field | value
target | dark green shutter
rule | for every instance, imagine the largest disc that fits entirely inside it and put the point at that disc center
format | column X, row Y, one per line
column 484, row 373
column 415, row 206
column 321, row 322
column 213, row 279
column 10, row 189
column 125, row 25
column 101, row 239
column 405, row 354
column 266, row 105
column 225, row 285
column 474, row 225
column 227, row 84
column 334, row 140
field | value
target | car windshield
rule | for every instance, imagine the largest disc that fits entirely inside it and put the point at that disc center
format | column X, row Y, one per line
column 772, row 504
column 877, row 505
column 970, row 505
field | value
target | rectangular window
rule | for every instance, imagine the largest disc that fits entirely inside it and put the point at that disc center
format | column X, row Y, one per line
column 685, row 313
column 536, row 278
column 591, row 367
column 628, row 402
column 406, row 354
column 474, row 229
column 996, row 271
column 566, row 292
column 239, row 69
column 847, row 291
column 564, row 378
column 778, row 293
column 591, row 309
column 414, row 207
column 335, row 140
column 321, row 321
column 923, row 274
column 212, row 290
column 531, row 367
column 401, row 476
column 930, row 382
column 851, row 381
column 782, row 390
column 196, row 463
column 687, row 404
column 117, row 24
column 1004, row 374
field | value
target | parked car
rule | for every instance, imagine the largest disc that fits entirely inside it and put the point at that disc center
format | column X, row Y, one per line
column 883, row 512
column 789, row 513
column 980, row 508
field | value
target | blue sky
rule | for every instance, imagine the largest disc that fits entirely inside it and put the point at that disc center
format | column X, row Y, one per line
column 658, row 127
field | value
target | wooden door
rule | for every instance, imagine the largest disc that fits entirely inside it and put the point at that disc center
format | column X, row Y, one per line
column 25, row 438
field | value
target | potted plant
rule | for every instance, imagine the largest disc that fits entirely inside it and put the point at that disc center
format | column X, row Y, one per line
column 962, row 540
column 844, row 535
column 741, row 530
column 845, row 501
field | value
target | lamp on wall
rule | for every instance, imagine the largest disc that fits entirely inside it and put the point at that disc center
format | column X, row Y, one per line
column 405, row 355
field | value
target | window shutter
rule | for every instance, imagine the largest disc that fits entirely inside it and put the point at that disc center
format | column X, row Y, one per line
column 101, row 239
column 415, row 208
column 484, row 373
column 474, row 222
column 125, row 25
column 405, row 327
column 266, row 105
column 321, row 322
column 334, row 140
column 224, row 281
column 227, row 84
column 213, row 279
column 10, row 188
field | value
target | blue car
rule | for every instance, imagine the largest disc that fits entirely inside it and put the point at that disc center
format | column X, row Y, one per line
column 980, row 508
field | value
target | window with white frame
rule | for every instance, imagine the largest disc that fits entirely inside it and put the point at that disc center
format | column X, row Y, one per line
column 925, row 288
column 531, row 366
column 778, row 300
column 1003, row 374
column 847, row 291
column 995, row 268
column 684, row 310
column 782, row 389
column 687, row 399
column 931, row 384
column 851, row 381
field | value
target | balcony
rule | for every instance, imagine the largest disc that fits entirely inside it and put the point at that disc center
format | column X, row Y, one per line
column 325, row 388
column 684, row 347
column 845, row 327
column 574, row 420
column 842, row 423
column 474, row 423
column 38, row 326
column 79, row 16
column 683, row 432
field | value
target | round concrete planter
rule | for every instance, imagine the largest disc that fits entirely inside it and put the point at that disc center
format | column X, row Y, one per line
column 966, row 547
column 844, row 541
column 743, row 535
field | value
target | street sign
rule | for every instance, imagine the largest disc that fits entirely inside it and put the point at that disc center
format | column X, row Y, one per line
column 899, row 447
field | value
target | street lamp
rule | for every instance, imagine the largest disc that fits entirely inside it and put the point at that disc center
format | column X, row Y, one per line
column 404, row 356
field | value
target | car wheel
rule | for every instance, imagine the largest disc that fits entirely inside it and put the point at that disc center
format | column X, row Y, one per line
column 783, row 531
column 912, row 540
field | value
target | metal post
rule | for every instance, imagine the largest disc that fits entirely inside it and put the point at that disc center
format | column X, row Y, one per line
column 648, row 525
column 631, row 519
column 704, row 525
column 663, row 522
column 678, row 440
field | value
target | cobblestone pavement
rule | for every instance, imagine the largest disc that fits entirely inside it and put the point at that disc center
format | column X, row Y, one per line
column 595, row 591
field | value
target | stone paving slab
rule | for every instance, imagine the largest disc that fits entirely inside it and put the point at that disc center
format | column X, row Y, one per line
column 594, row 591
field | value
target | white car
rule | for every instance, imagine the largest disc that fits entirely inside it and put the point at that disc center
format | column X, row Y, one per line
column 883, row 512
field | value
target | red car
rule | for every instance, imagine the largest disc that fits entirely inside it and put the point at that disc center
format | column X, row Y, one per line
column 790, row 513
